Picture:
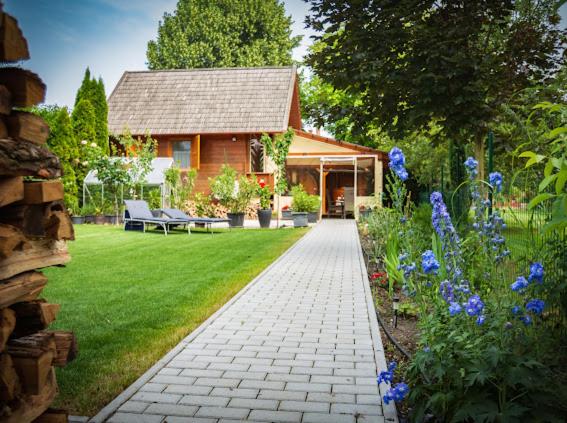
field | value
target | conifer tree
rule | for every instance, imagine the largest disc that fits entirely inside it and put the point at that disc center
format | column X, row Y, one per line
column 83, row 119
column 93, row 91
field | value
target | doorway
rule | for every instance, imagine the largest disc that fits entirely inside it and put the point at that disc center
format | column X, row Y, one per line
column 338, row 181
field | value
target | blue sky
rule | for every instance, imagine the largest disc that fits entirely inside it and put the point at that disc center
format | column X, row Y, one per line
column 109, row 36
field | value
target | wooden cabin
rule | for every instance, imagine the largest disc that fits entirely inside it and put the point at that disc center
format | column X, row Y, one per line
column 204, row 118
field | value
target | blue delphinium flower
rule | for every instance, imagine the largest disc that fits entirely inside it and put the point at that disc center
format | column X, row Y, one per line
column 441, row 221
column 397, row 157
column 516, row 310
column 446, row 291
column 474, row 306
column 536, row 272
column 454, row 308
column 472, row 167
column 387, row 376
column 520, row 285
column 429, row 263
column 535, row 306
column 397, row 393
column 526, row 319
column 495, row 179
column 398, row 162
column 480, row 320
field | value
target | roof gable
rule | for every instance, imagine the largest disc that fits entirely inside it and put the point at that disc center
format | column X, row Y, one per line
column 201, row 101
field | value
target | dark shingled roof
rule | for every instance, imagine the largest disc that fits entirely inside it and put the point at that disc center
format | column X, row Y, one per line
column 200, row 101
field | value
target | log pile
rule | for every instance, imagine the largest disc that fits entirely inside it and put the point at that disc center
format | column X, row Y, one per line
column 34, row 228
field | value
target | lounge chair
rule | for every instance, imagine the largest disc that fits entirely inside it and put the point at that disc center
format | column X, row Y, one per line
column 206, row 221
column 137, row 211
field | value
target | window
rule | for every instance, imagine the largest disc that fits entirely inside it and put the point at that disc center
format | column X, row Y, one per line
column 182, row 154
column 256, row 156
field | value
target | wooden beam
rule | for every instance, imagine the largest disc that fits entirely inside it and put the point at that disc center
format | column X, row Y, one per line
column 42, row 192
column 27, row 127
column 42, row 253
column 23, row 158
column 66, row 344
column 33, row 316
column 5, row 100
column 26, row 87
column 7, row 325
column 13, row 45
column 52, row 415
column 23, row 287
column 9, row 382
column 11, row 190
column 12, row 239
column 33, row 357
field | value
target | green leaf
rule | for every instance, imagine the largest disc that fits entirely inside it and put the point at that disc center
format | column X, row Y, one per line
column 534, row 160
column 560, row 183
column 548, row 168
column 546, row 181
column 528, row 154
column 557, row 131
column 539, row 199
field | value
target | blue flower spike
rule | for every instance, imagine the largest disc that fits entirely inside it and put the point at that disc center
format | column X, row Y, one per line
column 495, row 179
column 536, row 272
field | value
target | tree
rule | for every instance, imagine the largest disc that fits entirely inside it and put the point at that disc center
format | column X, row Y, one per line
column 223, row 33
column 62, row 142
column 83, row 119
column 451, row 62
column 92, row 90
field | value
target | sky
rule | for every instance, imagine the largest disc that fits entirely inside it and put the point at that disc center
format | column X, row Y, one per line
column 108, row 36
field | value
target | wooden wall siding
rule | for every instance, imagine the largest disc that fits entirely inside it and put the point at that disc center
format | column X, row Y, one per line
column 217, row 150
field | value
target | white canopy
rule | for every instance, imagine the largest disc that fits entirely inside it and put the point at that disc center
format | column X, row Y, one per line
column 155, row 177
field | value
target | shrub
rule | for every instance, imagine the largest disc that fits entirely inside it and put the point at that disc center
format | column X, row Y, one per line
column 231, row 191
column 301, row 202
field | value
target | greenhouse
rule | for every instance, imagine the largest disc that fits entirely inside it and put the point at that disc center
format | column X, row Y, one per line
column 153, row 188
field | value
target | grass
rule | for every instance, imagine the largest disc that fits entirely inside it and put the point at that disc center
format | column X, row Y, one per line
column 130, row 297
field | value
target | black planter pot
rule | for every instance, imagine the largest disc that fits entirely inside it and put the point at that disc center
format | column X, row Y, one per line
column 112, row 219
column 365, row 213
column 312, row 217
column 78, row 220
column 99, row 220
column 299, row 219
column 265, row 217
column 89, row 218
column 286, row 215
column 236, row 220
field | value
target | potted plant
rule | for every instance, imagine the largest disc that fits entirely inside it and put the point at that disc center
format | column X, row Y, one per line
column 233, row 193
column 301, row 205
column 110, row 216
column 76, row 217
column 88, row 211
column 364, row 211
column 99, row 218
column 313, row 215
column 265, row 211
column 286, row 213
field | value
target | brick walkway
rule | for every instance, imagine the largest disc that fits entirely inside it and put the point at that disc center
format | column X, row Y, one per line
column 299, row 344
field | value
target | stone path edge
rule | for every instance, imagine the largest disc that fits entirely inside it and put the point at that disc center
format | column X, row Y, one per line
column 389, row 410
column 125, row 395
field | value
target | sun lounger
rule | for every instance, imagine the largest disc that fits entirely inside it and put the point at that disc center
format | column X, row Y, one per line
column 137, row 211
column 206, row 221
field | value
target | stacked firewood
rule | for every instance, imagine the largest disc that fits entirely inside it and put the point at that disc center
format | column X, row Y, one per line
column 34, row 228
column 217, row 210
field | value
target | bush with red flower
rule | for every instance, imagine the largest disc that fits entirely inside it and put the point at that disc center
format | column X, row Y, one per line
column 264, row 192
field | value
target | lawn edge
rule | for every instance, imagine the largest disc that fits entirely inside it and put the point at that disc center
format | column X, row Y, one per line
column 125, row 395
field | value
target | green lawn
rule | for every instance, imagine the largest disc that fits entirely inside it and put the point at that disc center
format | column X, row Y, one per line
column 130, row 297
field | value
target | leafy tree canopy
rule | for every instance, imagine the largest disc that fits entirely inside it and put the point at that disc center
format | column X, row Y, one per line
column 455, row 62
column 223, row 33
